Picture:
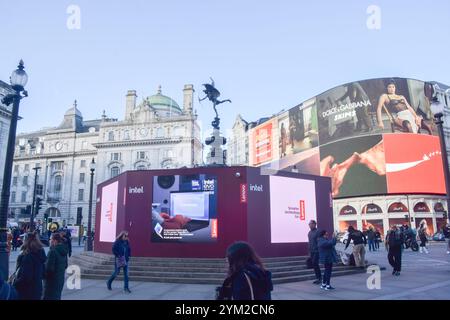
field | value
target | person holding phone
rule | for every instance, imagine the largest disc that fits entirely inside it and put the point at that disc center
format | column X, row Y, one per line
column 327, row 256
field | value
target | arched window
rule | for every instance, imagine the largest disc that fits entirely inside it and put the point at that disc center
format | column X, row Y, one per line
column 115, row 171
column 54, row 213
column 141, row 167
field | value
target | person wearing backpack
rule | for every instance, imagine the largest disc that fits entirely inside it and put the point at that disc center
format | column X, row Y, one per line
column 423, row 238
column 359, row 242
column 55, row 268
column 394, row 242
column 30, row 269
column 122, row 253
column 247, row 278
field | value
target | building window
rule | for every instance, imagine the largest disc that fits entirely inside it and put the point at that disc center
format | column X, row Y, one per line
column 81, row 177
column 159, row 132
column 111, row 136
column 16, row 168
column 23, row 198
column 83, row 164
column 39, row 189
column 54, row 213
column 115, row 171
column 126, row 135
column 13, row 197
column 115, row 156
column 27, row 167
column 25, row 181
column 57, row 165
column 141, row 155
column 80, row 194
column 14, row 181
column 37, row 165
column 141, row 167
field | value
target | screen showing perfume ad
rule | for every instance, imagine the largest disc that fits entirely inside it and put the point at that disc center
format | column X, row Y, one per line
column 184, row 208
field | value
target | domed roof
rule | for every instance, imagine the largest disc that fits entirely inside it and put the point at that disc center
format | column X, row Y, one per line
column 159, row 101
column 73, row 111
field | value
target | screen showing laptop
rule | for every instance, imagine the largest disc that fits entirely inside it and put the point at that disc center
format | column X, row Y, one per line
column 194, row 205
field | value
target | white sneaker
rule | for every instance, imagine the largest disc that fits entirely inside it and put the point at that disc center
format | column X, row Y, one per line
column 323, row 286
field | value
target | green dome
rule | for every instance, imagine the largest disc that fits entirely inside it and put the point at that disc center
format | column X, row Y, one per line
column 159, row 101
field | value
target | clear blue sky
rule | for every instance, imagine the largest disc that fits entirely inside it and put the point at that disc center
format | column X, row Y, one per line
column 263, row 55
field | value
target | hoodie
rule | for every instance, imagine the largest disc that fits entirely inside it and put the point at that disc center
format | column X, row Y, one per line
column 261, row 281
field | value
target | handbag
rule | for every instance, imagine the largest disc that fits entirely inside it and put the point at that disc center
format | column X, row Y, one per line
column 12, row 280
column 121, row 262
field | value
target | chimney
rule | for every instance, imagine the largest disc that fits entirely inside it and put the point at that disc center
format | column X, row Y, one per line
column 188, row 99
column 130, row 103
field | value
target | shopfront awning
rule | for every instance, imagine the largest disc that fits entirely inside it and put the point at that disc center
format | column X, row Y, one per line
column 397, row 207
column 421, row 207
column 371, row 208
column 347, row 210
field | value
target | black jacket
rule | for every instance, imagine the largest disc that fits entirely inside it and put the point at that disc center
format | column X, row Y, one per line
column 121, row 248
column 371, row 235
column 394, row 240
column 55, row 270
column 261, row 281
column 312, row 239
column 446, row 231
column 30, row 275
column 358, row 238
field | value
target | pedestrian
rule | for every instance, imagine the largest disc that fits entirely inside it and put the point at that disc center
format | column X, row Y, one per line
column 422, row 233
column 16, row 237
column 30, row 268
column 359, row 241
column 327, row 256
column 313, row 235
column 394, row 242
column 371, row 239
column 247, row 278
column 55, row 268
column 377, row 239
column 446, row 231
column 122, row 253
column 65, row 233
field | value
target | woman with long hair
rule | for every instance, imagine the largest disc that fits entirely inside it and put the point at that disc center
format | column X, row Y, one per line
column 30, row 268
column 122, row 253
column 247, row 278
column 405, row 117
column 423, row 237
column 55, row 268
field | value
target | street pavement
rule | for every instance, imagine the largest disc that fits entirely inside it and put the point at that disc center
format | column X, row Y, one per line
column 423, row 277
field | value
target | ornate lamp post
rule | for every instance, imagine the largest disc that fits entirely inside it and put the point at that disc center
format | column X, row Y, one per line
column 437, row 108
column 18, row 79
column 89, row 231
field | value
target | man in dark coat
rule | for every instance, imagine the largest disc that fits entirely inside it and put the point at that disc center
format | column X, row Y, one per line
column 55, row 268
column 394, row 242
column 313, row 234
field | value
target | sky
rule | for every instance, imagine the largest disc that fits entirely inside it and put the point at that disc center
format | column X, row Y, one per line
column 263, row 55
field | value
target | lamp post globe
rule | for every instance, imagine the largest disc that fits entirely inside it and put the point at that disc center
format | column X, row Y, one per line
column 19, row 77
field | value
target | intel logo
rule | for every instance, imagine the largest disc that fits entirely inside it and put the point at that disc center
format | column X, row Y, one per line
column 256, row 188
column 136, row 190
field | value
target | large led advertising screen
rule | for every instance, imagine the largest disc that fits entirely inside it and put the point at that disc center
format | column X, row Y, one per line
column 292, row 206
column 184, row 208
column 371, row 137
column 108, row 219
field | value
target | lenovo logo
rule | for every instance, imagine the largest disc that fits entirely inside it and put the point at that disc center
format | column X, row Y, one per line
column 136, row 190
column 243, row 188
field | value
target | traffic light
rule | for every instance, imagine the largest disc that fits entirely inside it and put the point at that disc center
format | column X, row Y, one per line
column 38, row 205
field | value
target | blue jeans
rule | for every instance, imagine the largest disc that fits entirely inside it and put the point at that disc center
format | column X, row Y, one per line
column 372, row 245
column 116, row 272
column 327, row 273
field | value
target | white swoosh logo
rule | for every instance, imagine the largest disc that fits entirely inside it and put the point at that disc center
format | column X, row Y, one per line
column 396, row 167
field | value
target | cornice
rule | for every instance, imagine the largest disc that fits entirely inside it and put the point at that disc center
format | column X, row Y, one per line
column 57, row 155
column 129, row 143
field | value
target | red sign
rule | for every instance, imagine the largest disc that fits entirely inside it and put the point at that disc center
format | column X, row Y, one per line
column 214, row 230
column 302, row 210
column 413, row 163
column 243, row 188
column 262, row 143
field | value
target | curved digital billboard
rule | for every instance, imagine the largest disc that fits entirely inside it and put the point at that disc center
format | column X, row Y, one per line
column 371, row 137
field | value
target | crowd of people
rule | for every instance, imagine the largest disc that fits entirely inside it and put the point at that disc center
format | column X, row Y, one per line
column 38, row 275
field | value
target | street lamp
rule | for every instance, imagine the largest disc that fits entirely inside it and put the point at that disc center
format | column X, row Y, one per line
column 437, row 108
column 89, row 231
column 18, row 81
column 34, row 211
